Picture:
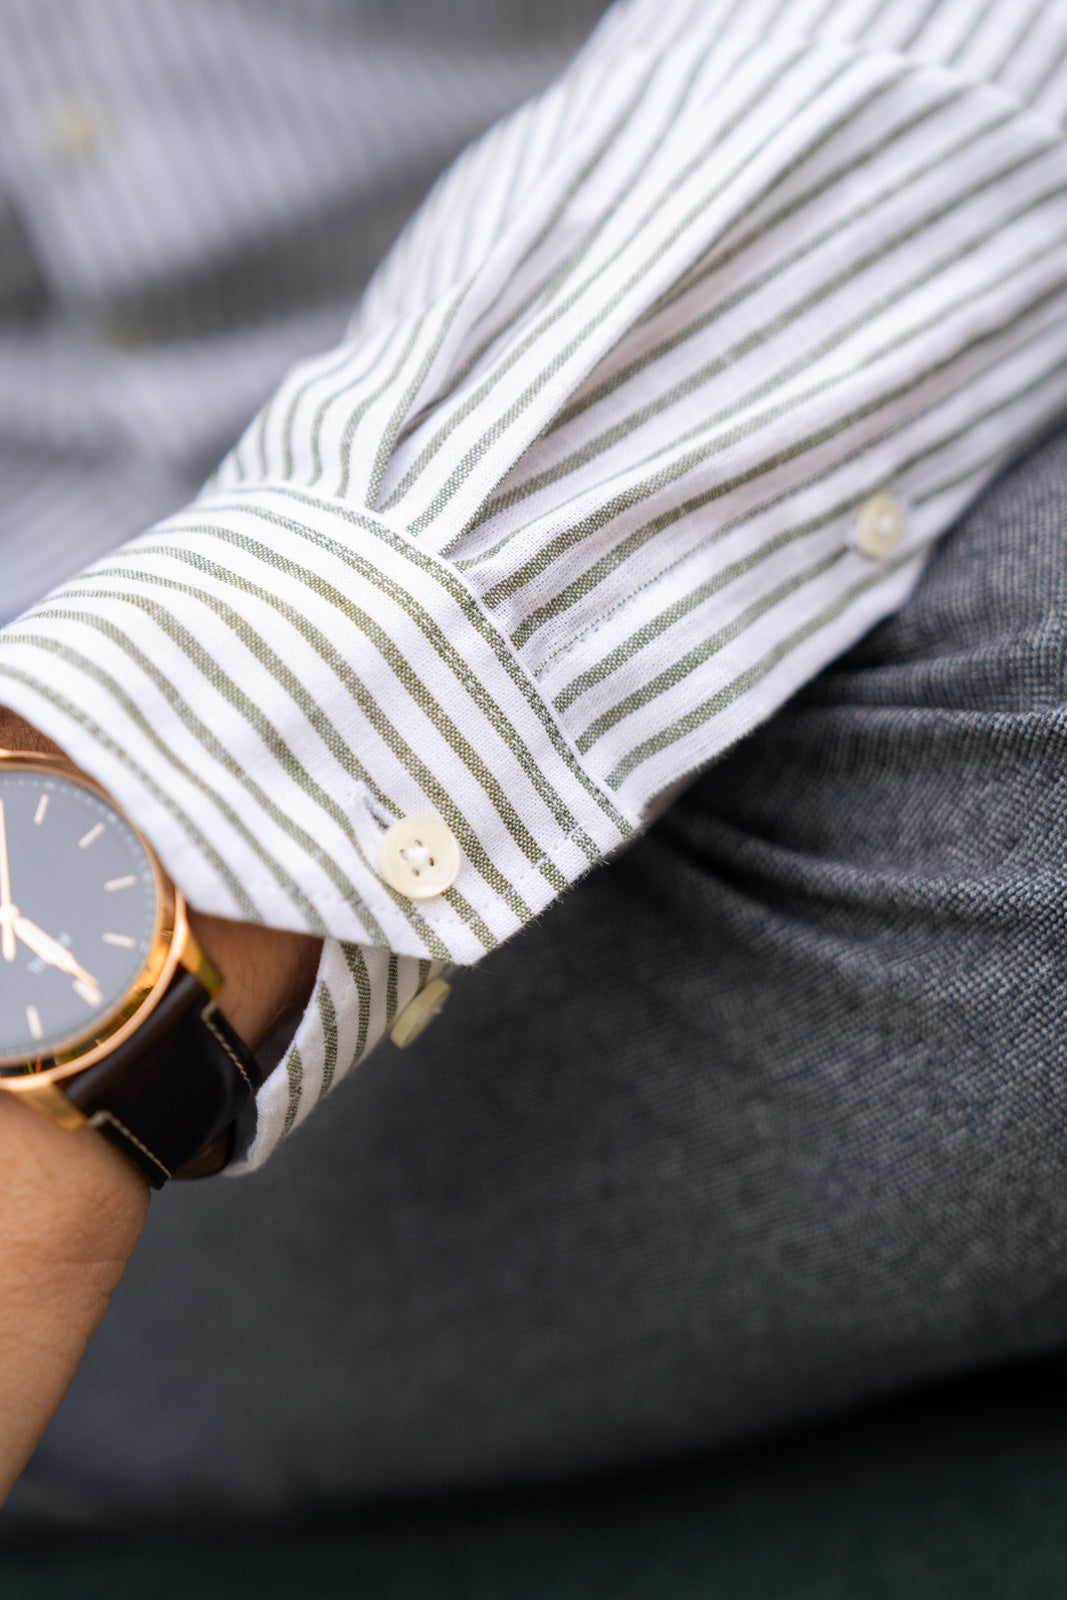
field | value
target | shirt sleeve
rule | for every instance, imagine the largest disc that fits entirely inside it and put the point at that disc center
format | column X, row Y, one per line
column 657, row 405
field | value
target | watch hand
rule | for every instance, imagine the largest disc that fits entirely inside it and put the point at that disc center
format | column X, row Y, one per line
column 10, row 949
column 50, row 950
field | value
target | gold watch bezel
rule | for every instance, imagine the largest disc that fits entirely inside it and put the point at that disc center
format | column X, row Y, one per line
column 172, row 946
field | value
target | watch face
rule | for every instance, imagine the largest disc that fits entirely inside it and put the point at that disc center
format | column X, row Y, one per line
column 79, row 906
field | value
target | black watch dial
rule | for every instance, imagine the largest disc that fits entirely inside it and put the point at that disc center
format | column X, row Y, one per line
column 79, row 906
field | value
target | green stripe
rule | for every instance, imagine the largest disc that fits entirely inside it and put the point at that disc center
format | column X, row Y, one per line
column 314, row 433
column 328, row 1021
column 990, row 465
column 459, row 744
column 225, row 686
column 590, row 397
column 871, row 23
column 294, row 1067
column 287, row 680
column 463, row 177
column 701, row 714
column 514, row 196
column 968, row 298
column 559, row 310
column 932, row 7
column 672, row 614
column 564, row 92
column 444, row 578
column 50, row 613
column 357, row 971
column 520, row 349
column 391, row 996
column 299, row 774
column 722, row 361
column 709, row 646
column 391, row 431
column 356, row 416
column 1024, row 33
column 563, row 269
column 370, row 707
column 348, row 351
column 634, row 493
column 969, row 36
column 1055, row 66
column 658, row 625
column 708, row 268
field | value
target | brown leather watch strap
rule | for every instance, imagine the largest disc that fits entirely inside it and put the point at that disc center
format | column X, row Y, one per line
column 173, row 1089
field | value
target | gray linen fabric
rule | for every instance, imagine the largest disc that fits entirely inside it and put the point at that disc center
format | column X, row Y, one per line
column 766, row 1116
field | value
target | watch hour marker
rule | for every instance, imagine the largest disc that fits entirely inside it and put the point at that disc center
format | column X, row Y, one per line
column 120, row 883
column 33, row 1019
column 91, row 837
column 42, row 807
column 123, row 940
column 91, row 996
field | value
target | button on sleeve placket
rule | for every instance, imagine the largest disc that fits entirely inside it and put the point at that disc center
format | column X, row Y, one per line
column 879, row 526
column 419, row 857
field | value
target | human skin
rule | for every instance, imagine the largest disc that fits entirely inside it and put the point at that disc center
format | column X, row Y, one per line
column 72, row 1210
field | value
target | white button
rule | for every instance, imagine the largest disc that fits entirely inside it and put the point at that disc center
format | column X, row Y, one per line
column 419, row 1013
column 419, row 856
column 879, row 526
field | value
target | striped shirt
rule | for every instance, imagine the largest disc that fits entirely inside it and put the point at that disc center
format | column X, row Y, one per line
column 577, row 499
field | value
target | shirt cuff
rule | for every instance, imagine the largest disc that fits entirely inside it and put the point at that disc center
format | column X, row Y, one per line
column 266, row 683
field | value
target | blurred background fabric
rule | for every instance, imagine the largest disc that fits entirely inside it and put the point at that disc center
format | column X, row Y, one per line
column 192, row 195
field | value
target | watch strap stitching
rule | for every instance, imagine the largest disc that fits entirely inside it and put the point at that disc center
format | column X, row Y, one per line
column 99, row 1117
column 207, row 1017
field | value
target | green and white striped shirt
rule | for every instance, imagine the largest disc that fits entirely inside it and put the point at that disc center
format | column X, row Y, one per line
column 579, row 499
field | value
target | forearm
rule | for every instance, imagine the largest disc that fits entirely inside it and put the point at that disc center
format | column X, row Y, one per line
column 73, row 1210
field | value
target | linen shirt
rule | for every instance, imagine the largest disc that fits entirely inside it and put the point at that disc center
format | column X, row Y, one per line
column 584, row 490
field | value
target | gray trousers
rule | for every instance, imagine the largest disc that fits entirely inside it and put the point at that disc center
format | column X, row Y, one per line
column 766, row 1117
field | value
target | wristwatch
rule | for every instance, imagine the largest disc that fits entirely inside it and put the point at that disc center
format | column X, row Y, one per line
column 108, row 1007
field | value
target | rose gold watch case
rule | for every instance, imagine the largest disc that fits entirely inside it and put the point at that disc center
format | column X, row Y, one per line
column 172, row 946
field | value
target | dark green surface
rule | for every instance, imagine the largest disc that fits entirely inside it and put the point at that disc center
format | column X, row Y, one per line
column 961, row 1491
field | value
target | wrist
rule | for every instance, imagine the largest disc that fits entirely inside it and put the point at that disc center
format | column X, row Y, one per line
column 267, row 973
column 18, row 734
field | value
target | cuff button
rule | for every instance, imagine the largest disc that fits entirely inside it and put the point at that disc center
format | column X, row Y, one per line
column 419, row 857
column 419, row 1013
column 879, row 526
